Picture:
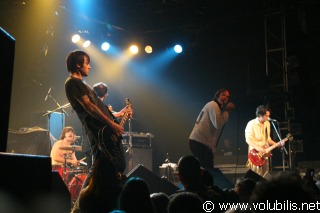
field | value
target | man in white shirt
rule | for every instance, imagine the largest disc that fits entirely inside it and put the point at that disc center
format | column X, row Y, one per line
column 257, row 135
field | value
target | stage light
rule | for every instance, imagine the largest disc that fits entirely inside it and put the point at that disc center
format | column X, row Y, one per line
column 75, row 38
column 105, row 46
column 148, row 49
column 86, row 43
column 134, row 49
column 178, row 48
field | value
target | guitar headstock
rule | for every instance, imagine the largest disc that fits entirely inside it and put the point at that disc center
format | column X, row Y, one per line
column 289, row 137
column 128, row 102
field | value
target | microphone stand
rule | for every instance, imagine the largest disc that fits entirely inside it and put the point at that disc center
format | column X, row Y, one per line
column 282, row 147
column 129, row 150
column 64, row 176
column 59, row 106
column 62, row 111
column 170, row 176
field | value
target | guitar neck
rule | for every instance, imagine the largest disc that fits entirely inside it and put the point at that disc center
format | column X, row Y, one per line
column 126, row 114
column 124, row 119
column 275, row 145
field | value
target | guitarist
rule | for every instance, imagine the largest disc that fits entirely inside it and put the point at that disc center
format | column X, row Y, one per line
column 101, row 89
column 102, row 92
column 90, row 110
column 257, row 135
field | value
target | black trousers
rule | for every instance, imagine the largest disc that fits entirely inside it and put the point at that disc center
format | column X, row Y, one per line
column 202, row 152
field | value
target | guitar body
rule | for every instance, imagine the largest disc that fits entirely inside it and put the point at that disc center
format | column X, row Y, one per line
column 259, row 159
column 111, row 145
column 256, row 158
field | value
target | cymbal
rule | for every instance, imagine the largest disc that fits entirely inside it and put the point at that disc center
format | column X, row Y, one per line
column 72, row 148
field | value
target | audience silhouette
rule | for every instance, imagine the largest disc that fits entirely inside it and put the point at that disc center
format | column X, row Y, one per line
column 107, row 192
column 160, row 202
column 135, row 197
column 283, row 188
column 103, row 190
column 185, row 202
column 190, row 175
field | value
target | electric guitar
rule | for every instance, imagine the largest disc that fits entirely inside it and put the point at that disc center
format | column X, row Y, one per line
column 259, row 159
column 109, row 143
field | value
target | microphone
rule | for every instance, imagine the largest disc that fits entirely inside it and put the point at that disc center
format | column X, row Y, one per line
column 272, row 120
column 48, row 93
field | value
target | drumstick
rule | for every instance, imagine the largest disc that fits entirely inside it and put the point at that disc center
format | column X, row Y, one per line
column 84, row 163
column 81, row 161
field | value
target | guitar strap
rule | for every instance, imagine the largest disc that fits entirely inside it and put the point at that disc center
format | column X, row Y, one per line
column 266, row 134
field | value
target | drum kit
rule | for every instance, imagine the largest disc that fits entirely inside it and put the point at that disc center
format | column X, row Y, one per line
column 71, row 176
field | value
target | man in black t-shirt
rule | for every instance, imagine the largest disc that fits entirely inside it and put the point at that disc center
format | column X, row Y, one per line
column 103, row 132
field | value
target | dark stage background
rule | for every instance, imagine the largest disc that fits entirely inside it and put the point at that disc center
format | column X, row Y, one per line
column 224, row 46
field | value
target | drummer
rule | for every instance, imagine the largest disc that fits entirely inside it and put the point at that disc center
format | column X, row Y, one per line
column 60, row 154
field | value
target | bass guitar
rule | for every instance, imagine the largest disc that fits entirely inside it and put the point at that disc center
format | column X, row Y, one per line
column 259, row 159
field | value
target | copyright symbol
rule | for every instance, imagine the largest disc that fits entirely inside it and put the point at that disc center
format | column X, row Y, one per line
column 208, row 206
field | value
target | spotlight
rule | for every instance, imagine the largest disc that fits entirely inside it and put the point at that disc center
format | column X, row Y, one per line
column 148, row 49
column 178, row 48
column 134, row 49
column 86, row 43
column 105, row 46
column 75, row 38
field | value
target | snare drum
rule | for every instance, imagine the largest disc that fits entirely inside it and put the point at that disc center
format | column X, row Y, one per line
column 75, row 185
column 60, row 170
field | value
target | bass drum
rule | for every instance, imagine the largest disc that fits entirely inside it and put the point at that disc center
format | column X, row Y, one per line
column 75, row 185
column 63, row 172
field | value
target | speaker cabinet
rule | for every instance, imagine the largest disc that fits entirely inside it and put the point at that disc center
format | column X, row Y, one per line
column 139, row 155
column 219, row 179
column 60, row 195
column 30, row 183
column 25, row 174
column 34, row 141
column 254, row 176
column 155, row 183
column 7, row 44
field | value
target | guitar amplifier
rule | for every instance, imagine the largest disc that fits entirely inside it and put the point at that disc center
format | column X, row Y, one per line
column 136, row 156
column 142, row 140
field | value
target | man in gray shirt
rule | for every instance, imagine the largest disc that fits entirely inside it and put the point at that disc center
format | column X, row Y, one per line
column 209, row 124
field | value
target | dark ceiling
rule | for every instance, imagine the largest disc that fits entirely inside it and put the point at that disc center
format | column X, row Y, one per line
column 147, row 18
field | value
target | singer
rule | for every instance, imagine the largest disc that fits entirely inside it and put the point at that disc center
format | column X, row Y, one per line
column 208, row 127
column 258, row 138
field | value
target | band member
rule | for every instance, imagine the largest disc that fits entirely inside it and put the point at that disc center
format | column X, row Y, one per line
column 62, row 157
column 257, row 135
column 59, row 153
column 209, row 124
column 94, row 116
column 101, row 90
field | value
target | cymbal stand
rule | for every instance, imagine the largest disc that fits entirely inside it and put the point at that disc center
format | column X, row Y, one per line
column 59, row 107
column 65, row 156
column 284, row 151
